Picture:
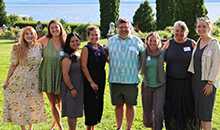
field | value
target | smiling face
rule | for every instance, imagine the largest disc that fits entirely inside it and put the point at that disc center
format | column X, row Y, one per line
column 179, row 33
column 153, row 43
column 74, row 43
column 94, row 36
column 29, row 36
column 55, row 29
column 123, row 29
column 202, row 28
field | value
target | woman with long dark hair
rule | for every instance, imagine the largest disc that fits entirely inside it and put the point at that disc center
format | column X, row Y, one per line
column 72, row 81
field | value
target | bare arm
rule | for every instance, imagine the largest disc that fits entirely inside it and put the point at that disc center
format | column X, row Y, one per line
column 43, row 41
column 66, row 63
column 193, row 44
column 65, row 70
column 166, row 45
column 84, row 61
column 106, row 53
column 12, row 66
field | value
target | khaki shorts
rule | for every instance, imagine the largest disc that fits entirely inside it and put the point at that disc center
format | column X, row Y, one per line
column 124, row 93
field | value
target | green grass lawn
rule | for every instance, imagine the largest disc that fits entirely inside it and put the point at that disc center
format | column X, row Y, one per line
column 108, row 120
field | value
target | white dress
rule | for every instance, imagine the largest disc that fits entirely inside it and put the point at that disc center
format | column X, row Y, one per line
column 23, row 102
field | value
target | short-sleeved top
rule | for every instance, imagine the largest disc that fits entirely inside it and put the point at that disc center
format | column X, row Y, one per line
column 124, row 59
column 178, row 57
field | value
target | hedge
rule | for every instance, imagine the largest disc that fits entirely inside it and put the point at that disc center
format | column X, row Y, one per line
column 69, row 27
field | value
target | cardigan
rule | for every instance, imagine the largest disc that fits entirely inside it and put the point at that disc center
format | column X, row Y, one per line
column 210, row 62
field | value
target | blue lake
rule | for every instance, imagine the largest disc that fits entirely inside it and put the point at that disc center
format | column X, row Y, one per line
column 85, row 13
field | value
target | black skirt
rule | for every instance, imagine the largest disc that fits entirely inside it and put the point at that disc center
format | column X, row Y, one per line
column 179, row 105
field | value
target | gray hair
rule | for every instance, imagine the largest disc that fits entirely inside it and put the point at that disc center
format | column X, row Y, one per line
column 122, row 20
column 182, row 25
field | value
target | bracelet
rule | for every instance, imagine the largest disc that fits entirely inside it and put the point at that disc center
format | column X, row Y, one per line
column 71, row 88
column 210, row 82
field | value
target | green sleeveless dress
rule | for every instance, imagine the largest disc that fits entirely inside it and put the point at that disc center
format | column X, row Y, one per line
column 50, row 70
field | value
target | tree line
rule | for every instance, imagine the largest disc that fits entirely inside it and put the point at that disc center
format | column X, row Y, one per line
column 167, row 12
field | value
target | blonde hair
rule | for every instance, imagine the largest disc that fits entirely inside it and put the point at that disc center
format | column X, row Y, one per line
column 92, row 28
column 156, row 35
column 207, row 21
column 23, row 46
column 182, row 25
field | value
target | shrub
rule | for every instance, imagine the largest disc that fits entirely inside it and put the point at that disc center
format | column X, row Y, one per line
column 10, row 33
column 217, row 23
column 216, row 31
column 143, row 18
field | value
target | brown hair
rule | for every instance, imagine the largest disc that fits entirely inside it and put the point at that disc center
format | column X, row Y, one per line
column 122, row 20
column 155, row 34
column 62, row 33
column 92, row 28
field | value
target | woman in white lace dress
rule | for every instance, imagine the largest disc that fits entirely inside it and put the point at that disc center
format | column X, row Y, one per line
column 23, row 103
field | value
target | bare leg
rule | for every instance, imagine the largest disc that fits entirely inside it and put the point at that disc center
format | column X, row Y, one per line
column 90, row 128
column 72, row 123
column 206, row 125
column 53, row 124
column 55, row 110
column 119, row 112
column 59, row 104
column 30, row 127
column 23, row 127
column 129, row 115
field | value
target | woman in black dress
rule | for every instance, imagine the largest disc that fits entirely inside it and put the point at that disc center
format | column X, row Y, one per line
column 93, row 62
column 179, row 104
column 205, row 66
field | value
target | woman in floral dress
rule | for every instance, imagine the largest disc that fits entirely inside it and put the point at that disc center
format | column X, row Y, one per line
column 23, row 103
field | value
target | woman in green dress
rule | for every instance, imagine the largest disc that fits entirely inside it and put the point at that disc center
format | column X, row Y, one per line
column 50, row 69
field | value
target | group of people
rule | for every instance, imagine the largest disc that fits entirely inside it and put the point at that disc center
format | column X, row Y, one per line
column 179, row 83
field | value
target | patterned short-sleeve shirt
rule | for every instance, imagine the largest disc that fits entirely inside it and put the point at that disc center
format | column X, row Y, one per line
column 124, row 59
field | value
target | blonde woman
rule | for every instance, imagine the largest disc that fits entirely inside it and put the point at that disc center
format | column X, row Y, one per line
column 205, row 66
column 50, row 69
column 24, row 104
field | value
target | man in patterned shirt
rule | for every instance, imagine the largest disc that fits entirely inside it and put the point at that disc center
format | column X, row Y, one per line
column 124, row 51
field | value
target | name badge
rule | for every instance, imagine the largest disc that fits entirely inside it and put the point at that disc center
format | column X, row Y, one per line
column 148, row 58
column 186, row 49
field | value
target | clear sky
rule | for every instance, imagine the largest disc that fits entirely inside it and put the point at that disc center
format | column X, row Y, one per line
column 69, row 1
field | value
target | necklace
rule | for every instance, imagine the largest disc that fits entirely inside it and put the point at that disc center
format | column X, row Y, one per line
column 204, row 42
